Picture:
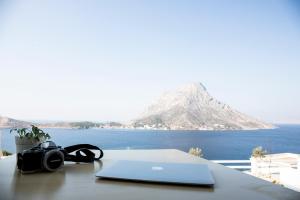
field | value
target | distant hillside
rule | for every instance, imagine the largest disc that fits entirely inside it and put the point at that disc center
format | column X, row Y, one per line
column 81, row 125
column 191, row 107
column 6, row 122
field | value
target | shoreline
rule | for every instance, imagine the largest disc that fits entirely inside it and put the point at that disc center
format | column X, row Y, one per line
column 158, row 129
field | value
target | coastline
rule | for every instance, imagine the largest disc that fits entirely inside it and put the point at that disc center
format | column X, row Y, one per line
column 152, row 129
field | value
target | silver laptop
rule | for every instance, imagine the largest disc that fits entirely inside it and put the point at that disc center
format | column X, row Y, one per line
column 172, row 173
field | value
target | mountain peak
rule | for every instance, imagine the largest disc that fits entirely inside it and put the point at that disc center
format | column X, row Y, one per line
column 195, row 86
column 191, row 107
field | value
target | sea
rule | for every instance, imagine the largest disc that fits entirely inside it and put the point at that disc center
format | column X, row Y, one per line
column 215, row 145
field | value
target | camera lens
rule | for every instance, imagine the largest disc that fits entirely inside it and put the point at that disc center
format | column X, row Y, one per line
column 53, row 159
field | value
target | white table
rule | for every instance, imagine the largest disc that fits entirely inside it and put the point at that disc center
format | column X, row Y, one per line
column 78, row 181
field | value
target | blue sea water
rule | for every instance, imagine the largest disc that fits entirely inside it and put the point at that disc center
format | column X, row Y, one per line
column 215, row 144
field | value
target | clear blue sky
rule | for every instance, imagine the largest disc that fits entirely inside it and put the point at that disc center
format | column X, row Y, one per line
column 107, row 60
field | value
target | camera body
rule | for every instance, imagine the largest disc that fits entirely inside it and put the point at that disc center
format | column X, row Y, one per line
column 44, row 157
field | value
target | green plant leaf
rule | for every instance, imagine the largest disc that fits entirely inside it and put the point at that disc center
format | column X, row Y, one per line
column 34, row 133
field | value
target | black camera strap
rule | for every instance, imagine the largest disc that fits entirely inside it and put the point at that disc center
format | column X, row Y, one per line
column 82, row 153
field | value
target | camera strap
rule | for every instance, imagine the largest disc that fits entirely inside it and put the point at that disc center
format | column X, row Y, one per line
column 82, row 153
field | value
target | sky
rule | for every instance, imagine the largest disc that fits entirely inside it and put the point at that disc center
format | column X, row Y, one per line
column 108, row 60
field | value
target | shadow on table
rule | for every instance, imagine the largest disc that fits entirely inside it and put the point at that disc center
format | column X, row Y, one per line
column 35, row 184
column 165, row 186
column 48, row 184
column 76, row 169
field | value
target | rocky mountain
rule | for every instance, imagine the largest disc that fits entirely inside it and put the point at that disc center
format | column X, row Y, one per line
column 6, row 122
column 191, row 107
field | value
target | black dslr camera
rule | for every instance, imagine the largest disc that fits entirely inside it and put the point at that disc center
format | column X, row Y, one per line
column 48, row 157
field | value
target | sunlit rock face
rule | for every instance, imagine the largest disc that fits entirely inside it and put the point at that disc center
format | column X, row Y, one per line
column 191, row 107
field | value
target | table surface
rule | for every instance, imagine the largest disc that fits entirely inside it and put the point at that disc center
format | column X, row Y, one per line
column 78, row 181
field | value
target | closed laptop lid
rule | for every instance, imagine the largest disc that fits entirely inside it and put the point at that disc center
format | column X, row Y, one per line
column 175, row 173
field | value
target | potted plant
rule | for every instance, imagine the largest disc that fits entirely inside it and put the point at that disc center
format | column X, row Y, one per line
column 28, row 138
